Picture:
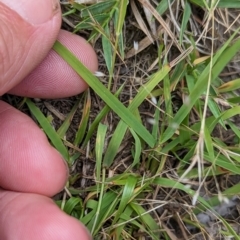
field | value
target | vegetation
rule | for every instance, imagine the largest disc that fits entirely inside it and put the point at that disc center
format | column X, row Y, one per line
column 164, row 145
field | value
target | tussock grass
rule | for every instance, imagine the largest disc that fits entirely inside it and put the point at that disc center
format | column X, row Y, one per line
column 163, row 148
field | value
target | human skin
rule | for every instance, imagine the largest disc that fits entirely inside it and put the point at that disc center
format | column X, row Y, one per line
column 31, row 170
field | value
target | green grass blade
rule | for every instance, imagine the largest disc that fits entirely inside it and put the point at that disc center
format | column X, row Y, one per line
column 155, row 128
column 122, row 222
column 163, row 6
column 114, row 144
column 107, row 48
column 127, row 194
column 230, row 86
column 214, row 108
column 186, row 16
column 121, row 16
column 100, row 140
column 224, row 163
column 169, row 183
column 104, row 94
column 125, row 219
column 98, row 118
column 84, row 120
column 221, row 3
column 98, row 8
column 137, row 151
column 226, row 115
column 107, row 209
column 90, row 23
column 220, row 60
column 234, row 128
column 208, row 143
column 67, row 122
column 146, row 219
column 71, row 204
column 91, row 206
column 167, row 98
column 147, row 88
column 231, row 232
column 121, row 128
column 48, row 129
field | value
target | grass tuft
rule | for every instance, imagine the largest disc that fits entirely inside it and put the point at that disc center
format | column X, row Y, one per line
column 160, row 158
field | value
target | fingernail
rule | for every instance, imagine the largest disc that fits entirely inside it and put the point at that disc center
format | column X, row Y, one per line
column 34, row 12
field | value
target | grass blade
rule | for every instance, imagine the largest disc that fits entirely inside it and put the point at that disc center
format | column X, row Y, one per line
column 98, row 118
column 71, row 204
column 101, row 134
column 67, row 122
column 230, row 86
column 128, row 192
column 84, row 120
column 121, row 128
column 186, row 16
column 223, row 56
column 48, row 129
column 137, row 151
column 104, row 94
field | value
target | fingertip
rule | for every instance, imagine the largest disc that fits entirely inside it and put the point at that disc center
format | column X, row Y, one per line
column 54, row 78
column 27, row 10
column 23, row 45
column 28, row 163
column 36, row 217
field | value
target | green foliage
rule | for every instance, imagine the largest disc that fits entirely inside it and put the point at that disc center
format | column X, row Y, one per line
column 220, row 3
column 48, row 129
column 178, row 146
column 104, row 93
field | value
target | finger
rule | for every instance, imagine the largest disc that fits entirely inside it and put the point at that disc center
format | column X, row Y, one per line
column 30, row 216
column 26, row 35
column 27, row 161
column 54, row 78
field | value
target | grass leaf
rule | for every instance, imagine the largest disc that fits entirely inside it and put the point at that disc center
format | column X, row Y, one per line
column 104, row 93
column 220, row 60
column 48, row 129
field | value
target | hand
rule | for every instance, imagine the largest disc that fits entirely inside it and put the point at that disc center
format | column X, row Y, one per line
column 30, row 169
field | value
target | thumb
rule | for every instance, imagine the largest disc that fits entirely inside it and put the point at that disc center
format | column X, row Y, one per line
column 28, row 30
